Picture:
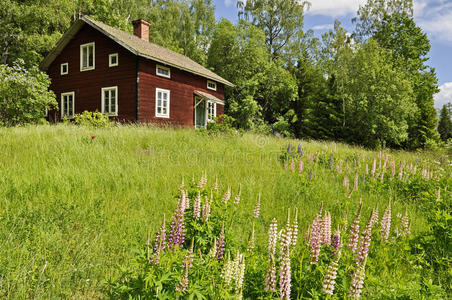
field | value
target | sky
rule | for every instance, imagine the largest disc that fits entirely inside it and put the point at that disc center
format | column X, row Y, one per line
column 433, row 16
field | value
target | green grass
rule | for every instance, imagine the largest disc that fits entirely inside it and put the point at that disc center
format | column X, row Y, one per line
column 73, row 209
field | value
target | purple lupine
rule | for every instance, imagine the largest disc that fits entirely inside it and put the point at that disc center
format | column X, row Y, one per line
column 331, row 162
column 329, row 281
column 177, row 229
column 237, row 197
column 300, row 166
column 336, row 241
column 220, row 244
column 284, row 276
column 316, row 238
column 326, row 229
column 310, row 175
column 257, row 208
column 159, row 243
column 300, row 150
column 354, row 231
column 356, row 286
column 197, row 206
column 386, row 223
column 226, row 196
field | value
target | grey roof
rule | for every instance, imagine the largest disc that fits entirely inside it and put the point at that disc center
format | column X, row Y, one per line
column 135, row 45
column 208, row 97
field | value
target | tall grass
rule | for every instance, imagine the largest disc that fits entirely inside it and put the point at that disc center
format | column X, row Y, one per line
column 76, row 202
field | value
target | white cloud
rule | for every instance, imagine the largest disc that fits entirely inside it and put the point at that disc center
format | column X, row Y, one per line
column 444, row 96
column 323, row 27
column 228, row 2
column 435, row 18
column 334, row 8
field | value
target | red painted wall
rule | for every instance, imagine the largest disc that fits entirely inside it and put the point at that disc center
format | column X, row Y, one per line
column 87, row 85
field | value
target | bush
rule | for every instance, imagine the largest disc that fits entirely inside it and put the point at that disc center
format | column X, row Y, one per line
column 221, row 124
column 92, row 119
column 24, row 94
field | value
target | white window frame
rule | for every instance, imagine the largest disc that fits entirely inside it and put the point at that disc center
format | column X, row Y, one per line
column 81, row 57
column 164, row 68
column 211, row 82
column 161, row 115
column 67, row 68
column 210, row 116
column 110, row 64
column 73, row 104
column 110, row 88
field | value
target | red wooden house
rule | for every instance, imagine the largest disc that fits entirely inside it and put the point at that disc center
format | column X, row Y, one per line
column 97, row 67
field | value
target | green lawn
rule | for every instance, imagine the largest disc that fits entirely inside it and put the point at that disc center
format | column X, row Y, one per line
column 73, row 209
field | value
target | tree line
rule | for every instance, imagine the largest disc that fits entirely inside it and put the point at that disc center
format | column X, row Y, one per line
column 371, row 86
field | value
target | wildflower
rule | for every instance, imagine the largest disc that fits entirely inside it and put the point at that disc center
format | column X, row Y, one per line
column 295, row 228
column 326, row 229
column 188, row 259
column 177, row 228
column 237, row 197
column 272, row 237
column 292, row 165
column 310, row 175
column 182, row 185
column 270, row 276
column 374, row 165
column 159, row 244
column 373, row 217
column 93, row 137
column 405, row 224
column 346, row 183
column 367, row 169
column 228, row 270
column 203, row 181
column 226, row 196
column 316, row 238
column 331, row 161
column 284, row 276
column 392, row 169
column 183, row 283
column 329, row 281
column 213, row 250
column 300, row 150
column 215, row 186
column 239, row 274
column 300, row 166
column 354, row 231
column 197, row 207
column 206, row 210
column 220, row 244
column 355, row 182
column 251, row 241
column 356, row 286
column 386, row 223
column 286, row 235
column 364, row 245
column 257, row 208
column 336, row 241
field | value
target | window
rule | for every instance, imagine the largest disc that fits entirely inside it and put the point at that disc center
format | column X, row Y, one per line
column 162, row 103
column 87, row 57
column 110, row 101
column 113, row 60
column 211, row 85
column 64, row 69
column 163, row 71
column 211, row 111
column 67, row 104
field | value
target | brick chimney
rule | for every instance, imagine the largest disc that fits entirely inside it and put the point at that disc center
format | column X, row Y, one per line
column 141, row 29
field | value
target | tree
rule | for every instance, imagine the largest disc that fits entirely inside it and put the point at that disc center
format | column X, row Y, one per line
column 445, row 122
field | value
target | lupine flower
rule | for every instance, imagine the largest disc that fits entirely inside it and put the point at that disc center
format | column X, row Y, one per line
column 188, row 259
column 272, row 237
column 270, row 276
column 300, row 166
column 329, row 281
column 400, row 171
column 405, row 224
column 182, row 185
column 197, row 207
column 374, row 166
column 237, row 197
column 284, row 276
column 309, row 158
column 316, row 238
column 392, row 169
column 177, row 228
column 213, row 250
column 206, row 210
column 239, row 274
column 257, row 208
column 286, row 235
column 336, row 241
column 382, row 176
column 346, row 183
column 331, row 161
column 215, row 186
column 356, row 286
column 220, row 244
column 251, row 241
column 292, row 165
column 310, row 175
column 354, row 231
column 183, row 283
column 386, row 223
column 367, row 169
column 373, row 218
column 228, row 270
column 326, row 229
column 159, row 244
column 300, row 150
column 364, row 244
column 203, row 181
column 226, row 196
column 355, row 182
column 295, row 228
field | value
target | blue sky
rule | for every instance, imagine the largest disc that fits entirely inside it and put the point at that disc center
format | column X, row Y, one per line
column 433, row 16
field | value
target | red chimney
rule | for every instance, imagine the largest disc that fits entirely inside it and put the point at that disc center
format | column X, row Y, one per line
column 141, row 29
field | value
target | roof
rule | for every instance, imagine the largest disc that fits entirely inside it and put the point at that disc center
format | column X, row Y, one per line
column 135, row 45
column 208, row 96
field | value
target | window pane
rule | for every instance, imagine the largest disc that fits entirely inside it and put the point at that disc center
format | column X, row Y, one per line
column 84, row 57
column 70, row 103
column 91, row 56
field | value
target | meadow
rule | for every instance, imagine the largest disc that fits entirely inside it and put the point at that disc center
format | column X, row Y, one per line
column 78, row 205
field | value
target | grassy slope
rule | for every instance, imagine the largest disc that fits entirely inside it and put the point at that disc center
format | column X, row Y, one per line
column 73, row 209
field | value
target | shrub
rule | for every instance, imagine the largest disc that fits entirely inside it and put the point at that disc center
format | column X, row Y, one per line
column 221, row 124
column 24, row 94
column 92, row 119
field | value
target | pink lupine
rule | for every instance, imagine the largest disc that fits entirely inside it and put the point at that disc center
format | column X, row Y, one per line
column 364, row 244
column 329, row 281
column 270, row 276
column 206, row 210
column 316, row 238
column 197, row 207
column 215, row 185
column 188, row 259
column 386, row 223
column 177, row 229
column 345, row 183
column 286, row 235
column 202, row 182
column 392, row 168
column 367, row 169
column 373, row 217
column 159, row 243
column 326, row 229
column 374, row 166
column 284, row 276
column 405, row 224
column 257, row 208
column 272, row 237
column 357, row 284
column 354, row 231
column 220, row 244
column 382, row 176
column 295, row 229
column 183, row 283
column 292, row 165
column 300, row 166
column 237, row 197
column 226, row 196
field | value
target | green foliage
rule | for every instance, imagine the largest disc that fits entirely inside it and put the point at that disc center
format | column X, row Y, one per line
column 445, row 122
column 24, row 95
column 222, row 124
column 92, row 119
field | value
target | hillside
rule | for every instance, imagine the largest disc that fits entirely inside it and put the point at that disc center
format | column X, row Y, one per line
column 76, row 203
